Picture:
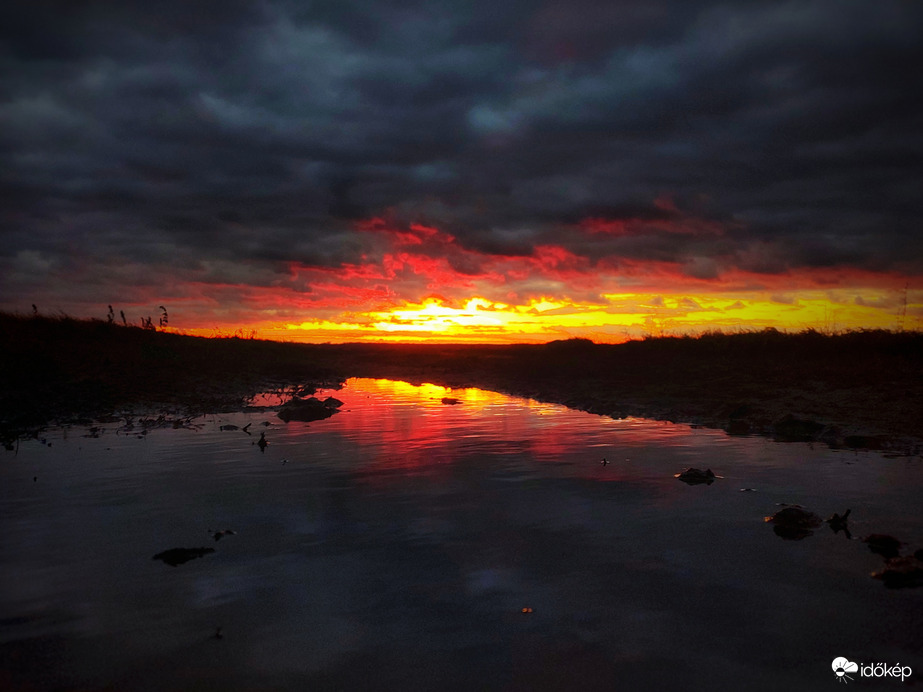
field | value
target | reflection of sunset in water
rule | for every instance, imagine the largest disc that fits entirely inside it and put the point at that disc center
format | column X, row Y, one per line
column 402, row 427
column 405, row 524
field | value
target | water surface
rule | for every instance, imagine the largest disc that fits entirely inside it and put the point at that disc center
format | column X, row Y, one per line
column 397, row 544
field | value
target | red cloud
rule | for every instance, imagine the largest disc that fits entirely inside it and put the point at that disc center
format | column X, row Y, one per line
column 415, row 234
column 415, row 260
column 554, row 258
column 609, row 226
column 667, row 218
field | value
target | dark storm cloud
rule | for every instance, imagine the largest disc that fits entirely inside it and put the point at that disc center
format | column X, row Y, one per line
column 176, row 134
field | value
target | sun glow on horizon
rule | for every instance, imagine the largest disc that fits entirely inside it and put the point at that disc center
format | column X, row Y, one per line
column 611, row 318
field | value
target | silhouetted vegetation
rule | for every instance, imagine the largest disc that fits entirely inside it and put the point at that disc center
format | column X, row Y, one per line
column 57, row 368
column 860, row 388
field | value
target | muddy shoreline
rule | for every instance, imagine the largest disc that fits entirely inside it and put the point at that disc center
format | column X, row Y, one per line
column 853, row 417
column 853, row 390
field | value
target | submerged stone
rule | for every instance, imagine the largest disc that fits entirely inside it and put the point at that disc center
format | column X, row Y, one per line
column 839, row 522
column 794, row 522
column 883, row 544
column 694, row 476
column 307, row 410
column 901, row 572
column 177, row 556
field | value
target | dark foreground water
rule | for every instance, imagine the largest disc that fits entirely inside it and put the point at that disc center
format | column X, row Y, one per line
column 397, row 545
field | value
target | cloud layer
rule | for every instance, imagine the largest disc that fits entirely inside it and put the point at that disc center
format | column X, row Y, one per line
column 259, row 158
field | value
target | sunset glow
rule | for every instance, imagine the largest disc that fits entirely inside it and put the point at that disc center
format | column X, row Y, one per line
column 467, row 172
column 617, row 318
column 417, row 283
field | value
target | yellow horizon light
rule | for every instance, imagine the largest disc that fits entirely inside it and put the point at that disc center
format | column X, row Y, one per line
column 613, row 317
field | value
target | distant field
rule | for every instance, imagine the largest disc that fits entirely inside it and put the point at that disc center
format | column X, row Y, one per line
column 861, row 388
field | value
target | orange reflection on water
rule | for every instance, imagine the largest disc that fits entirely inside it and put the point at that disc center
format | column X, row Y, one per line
column 404, row 429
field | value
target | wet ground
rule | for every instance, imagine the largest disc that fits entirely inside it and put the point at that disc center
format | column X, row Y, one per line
column 408, row 543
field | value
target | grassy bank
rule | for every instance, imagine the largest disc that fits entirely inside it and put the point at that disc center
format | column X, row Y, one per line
column 854, row 389
column 54, row 369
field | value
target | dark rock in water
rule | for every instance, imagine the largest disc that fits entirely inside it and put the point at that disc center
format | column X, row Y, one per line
column 262, row 443
column 839, row 522
column 177, row 556
column 332, row 402
column 795, row 515
column 696, row 476
column 794, row 523
column 218, row 535
column 449, row 401
column 791, row 429
column 229, row 427
column 306, row 410
column 901, row 572
column 791, row 533
column 882, row 544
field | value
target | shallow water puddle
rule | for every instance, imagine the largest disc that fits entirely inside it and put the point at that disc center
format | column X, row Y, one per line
column 407, row 543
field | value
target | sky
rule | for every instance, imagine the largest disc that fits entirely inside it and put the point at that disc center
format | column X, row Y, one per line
column 449, row 170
